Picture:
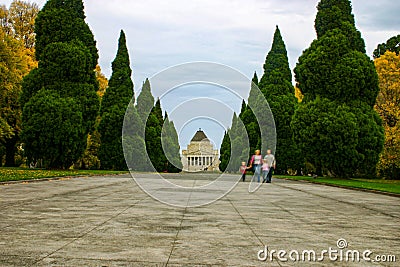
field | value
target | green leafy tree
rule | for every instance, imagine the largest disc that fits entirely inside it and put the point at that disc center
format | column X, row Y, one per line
column 21, row 20
column 276, row 85
column 113, row 107
column 339, row 82
column 325, row 126
column 53, row 132
column 67, row 56
column 392, row 45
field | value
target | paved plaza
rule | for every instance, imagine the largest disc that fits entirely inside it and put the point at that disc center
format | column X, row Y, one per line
column 110, row 221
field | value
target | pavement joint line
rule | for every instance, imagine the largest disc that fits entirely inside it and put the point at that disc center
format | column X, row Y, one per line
column 88, row 231
column 304, row 220
column 344, row 187
column 180, row 225
column 289, row 212
column 108, row 260
column 45, row 179
column 24, row 201
column 251, row 228
column 55, row 178
column 340, row 201
column 41, row 199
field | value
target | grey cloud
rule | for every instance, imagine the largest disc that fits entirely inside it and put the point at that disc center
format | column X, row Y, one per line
column 380, row 15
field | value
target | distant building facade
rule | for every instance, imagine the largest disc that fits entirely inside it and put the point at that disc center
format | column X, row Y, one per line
column 200, row 154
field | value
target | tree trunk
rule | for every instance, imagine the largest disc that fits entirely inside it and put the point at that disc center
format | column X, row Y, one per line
column 10, row 152
column 319, row 170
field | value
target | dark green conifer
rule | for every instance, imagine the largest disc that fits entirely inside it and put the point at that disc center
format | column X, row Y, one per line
column 145, row 101
column 339, row 82
column 154, row 126
column 392, row 45
column 67, row 56
column 113, row 108
column 225, row 152
column 276, row 85
column 171, row 146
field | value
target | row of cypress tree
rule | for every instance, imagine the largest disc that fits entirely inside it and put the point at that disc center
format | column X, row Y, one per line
column 334, row 130
column 61, row 106
column 276, row 87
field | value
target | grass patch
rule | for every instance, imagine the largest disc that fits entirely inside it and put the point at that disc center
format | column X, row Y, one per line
column 391, row 186
column 18, row 174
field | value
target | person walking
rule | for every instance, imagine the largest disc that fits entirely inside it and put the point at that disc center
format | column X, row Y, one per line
column 270, row 159
column 243, row 168
column 255, row 162
column 265, row 170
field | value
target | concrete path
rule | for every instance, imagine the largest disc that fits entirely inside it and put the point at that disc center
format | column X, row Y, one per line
column 109, row 221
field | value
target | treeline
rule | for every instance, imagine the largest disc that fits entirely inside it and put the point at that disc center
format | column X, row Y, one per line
column 333, row 128
column 67, row 112
column 58, row 110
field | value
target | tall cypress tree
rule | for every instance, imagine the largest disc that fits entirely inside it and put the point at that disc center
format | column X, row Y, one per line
column 145, row 101
column 250, row 120
column 276, row 69
column 171, row 147
column 225, row 152
column 242, row 109
column 120, row 87
column 239, row 149
column 67, row 56
column 335, row 15
column 135, row 128
column 154, row 125
column 113, row 108
column 335, row 125
column 64, row 21
column 276, row 85
column 133, row 141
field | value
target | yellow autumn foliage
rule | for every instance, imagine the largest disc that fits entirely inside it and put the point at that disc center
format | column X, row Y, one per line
column 298, row 94
column 388, row 107
column 103, row 82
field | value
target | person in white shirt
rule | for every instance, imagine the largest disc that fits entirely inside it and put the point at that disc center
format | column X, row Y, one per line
column 270, row 159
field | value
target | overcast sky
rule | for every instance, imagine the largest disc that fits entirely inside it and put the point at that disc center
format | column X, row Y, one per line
column 237, row 33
